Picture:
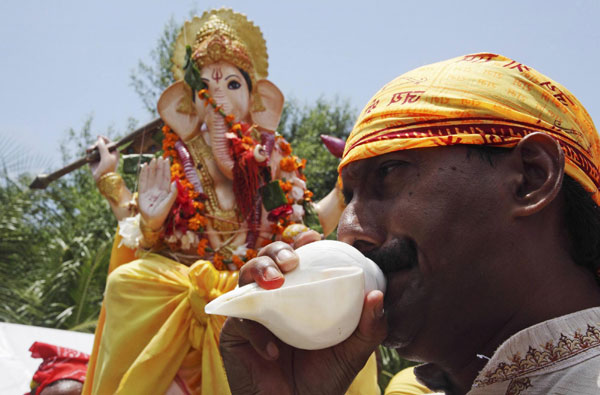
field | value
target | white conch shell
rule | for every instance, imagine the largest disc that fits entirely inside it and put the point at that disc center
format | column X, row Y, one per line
column 320, row 302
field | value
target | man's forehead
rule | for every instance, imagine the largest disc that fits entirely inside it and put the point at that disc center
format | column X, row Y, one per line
column 357, row 168
column 417, row 156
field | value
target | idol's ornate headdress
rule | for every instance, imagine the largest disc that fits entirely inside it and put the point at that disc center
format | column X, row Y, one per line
column 222, row 35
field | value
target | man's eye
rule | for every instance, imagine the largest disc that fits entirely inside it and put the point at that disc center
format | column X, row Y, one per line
column 233, row 85
column 387, row 167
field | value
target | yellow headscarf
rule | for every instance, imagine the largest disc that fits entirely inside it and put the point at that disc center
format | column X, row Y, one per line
column 483, row 99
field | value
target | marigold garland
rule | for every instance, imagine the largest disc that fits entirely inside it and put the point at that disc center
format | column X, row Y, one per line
column 202, row 246
column 251, row 253
column 188, row 211
column 288, row 163
column 217, row 261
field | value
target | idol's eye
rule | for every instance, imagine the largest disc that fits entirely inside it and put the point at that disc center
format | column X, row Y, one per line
column 233, row 85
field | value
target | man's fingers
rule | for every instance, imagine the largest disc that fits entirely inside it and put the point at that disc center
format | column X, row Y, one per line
column 237, row 332
column 372, row 324
column 263, row 271
column 253, row 358
column 372, row 327
column 307, row 237
column 267, row 268
column 371, row 331
column 282, row 254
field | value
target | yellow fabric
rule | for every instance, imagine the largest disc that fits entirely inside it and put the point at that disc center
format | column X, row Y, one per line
column 405, row 383
column 118, row 256
column 484, row 99
column 365, row 382
column 155, row 323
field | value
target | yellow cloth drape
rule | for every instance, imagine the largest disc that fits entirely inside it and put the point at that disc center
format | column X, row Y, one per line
column 481, row 99
column 154, row 318
column 365, row 382
column 405, row 383
column 118, row 256
column 152, row 326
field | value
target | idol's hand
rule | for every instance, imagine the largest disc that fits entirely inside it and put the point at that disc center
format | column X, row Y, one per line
column 156, row 192
column 108, row 160
column 257, row 362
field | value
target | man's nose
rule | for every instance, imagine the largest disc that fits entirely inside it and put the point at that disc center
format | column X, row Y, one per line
column 359, row 227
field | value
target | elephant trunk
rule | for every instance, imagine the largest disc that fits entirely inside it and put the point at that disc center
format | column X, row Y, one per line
column 218, row 138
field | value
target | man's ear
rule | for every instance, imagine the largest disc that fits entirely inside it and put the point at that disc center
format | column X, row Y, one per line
column 540, row 162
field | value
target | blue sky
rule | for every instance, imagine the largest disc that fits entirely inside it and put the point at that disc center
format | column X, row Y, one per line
column 64, row 60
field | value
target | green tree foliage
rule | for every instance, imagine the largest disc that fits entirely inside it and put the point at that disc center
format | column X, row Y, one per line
column 54, row 247
column 389, row 363
column 302, row 126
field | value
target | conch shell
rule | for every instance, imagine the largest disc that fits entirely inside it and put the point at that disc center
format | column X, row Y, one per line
column 320, row 302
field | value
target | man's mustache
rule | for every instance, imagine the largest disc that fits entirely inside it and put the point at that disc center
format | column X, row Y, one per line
column 397, row 255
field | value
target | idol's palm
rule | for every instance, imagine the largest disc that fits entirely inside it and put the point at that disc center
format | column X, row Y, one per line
column 156, row 192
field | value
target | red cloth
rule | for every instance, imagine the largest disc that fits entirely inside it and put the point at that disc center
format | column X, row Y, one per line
column 59, row 363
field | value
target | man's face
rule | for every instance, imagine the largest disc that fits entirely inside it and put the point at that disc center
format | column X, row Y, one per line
column 431, row 219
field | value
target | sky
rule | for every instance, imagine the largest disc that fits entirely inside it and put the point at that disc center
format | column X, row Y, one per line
column 66, row 60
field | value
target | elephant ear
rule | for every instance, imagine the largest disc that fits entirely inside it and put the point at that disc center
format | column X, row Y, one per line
column 272, row 101
column 177, row 109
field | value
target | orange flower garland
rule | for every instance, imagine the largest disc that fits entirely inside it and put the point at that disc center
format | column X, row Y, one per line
column 188, row 213
column 188, row 210
column 186, row 193
column 286, row 148
column 289, row 163
column 202, row 245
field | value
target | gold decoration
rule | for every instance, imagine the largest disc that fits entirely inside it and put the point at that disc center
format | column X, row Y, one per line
column 217, row 41
column 110, row 186
column 222, row 35
column 225, row 221
column 151, row 236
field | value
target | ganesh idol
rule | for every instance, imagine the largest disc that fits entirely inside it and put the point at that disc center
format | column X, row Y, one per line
column 225, row 186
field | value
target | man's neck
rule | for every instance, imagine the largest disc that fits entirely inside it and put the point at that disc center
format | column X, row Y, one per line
column 569, row 289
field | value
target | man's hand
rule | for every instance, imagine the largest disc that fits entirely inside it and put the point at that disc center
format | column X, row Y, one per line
column 156, row 192
column 257, row 362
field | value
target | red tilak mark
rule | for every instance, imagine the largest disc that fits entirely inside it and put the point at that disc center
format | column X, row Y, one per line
column 217, row 74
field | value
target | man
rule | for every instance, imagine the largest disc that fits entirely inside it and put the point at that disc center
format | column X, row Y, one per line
column 473, row 184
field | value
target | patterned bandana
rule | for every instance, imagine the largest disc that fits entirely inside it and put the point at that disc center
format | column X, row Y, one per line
column 483, row 99
column 59, row 363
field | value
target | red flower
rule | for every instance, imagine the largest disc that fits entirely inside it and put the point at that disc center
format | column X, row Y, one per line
column 280, row 212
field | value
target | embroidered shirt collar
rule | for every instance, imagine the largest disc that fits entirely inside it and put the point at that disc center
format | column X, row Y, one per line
column 545, row 347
